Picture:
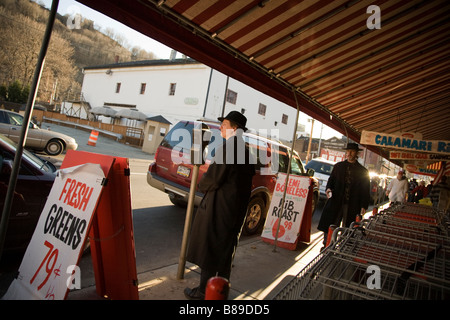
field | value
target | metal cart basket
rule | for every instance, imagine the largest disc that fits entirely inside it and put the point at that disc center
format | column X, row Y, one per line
column 389, row 256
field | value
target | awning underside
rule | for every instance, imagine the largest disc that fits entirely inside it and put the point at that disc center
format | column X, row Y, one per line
column 345, row 74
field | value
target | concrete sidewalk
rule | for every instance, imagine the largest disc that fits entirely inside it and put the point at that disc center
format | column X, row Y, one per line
column 104, row 145
column 259, row 273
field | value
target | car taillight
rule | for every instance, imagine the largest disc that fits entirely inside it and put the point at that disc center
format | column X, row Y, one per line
column 374, row 187
column 152, row 167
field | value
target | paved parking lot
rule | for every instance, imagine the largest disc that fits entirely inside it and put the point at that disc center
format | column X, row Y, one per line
column 104, row 145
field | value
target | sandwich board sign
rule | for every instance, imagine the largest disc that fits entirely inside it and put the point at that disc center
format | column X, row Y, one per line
column 46, row 271
column 290, row 217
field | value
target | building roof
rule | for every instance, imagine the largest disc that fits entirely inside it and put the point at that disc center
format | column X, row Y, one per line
column 144, row 63
column 159, row 118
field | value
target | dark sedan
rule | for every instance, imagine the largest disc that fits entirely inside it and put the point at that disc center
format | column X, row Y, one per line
column 34, row 182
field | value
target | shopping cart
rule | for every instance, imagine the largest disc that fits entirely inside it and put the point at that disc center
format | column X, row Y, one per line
column 416, row 212
column 385, row 257
column 407, row 229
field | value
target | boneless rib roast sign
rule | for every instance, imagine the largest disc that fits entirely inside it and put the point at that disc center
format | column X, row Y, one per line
column 59, row 236
column 292, row 214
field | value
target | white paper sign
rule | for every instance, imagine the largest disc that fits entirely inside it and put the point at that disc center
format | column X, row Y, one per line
column 405, row 155
column 294, row 207
column 46, row 269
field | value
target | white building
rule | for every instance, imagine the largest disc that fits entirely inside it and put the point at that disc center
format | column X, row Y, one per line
column 181, row 89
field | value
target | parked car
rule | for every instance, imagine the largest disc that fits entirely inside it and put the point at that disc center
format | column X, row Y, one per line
column 52, row 143
column 322, row 171
column 34, row 182
column 175, row 179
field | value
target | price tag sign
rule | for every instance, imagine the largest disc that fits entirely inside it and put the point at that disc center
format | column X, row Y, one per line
column 46, row 271
column 294, row 206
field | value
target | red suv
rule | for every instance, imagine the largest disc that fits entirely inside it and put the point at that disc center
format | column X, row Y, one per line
column 172, row 174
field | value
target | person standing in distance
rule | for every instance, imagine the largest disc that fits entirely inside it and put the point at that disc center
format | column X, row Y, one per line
column 398, row 188
column 217, row 225
column 348, row 192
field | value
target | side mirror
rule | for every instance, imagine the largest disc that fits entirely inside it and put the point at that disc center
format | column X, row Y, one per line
column 6, row 167
column 310, row 172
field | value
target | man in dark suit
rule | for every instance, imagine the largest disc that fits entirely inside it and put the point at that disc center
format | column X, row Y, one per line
column 348, row 192
column 227, row 186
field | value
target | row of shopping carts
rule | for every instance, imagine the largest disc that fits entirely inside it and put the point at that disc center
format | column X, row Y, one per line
column 400, row 253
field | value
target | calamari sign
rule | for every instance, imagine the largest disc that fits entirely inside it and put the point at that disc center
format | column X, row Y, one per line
column 385, row 140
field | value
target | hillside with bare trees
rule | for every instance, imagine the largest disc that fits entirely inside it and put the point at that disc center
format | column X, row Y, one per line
column 70, row 50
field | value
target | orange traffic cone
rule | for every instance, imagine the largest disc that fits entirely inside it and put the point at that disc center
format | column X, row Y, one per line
column 93, row 138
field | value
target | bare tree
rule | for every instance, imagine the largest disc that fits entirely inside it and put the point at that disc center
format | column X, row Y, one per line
column 70, row 50
column 20, row 42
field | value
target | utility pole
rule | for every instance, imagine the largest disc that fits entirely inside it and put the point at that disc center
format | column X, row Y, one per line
column 308, row 154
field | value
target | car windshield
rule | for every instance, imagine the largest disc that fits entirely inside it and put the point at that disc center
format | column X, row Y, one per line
column 35, row 160
column 180, row 138
column 320, row 167
column 296, row 164
column 15, row 119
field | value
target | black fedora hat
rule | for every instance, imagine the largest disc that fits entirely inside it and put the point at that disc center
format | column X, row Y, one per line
column 238, row 118
column 353, row 146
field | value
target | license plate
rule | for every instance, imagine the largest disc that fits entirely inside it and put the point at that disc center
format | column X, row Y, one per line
column 183, row 171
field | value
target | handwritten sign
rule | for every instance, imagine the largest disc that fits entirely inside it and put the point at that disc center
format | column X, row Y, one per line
column 404, row 143
column 46, row 269
column 294, row 206
column 404, row 155
column 332, row 155
column 420, row 170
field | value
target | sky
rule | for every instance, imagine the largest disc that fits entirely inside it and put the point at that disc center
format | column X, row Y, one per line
column 135, row 38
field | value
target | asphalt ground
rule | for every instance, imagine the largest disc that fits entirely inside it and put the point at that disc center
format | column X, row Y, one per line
column 104, row 145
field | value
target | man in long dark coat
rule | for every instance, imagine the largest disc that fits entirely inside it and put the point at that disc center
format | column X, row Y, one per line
column 227, row 186
column 348, row 192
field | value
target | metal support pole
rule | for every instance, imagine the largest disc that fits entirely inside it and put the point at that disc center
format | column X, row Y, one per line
column 294, row 138
column 308, row 153
column 26, row 122
column 225, row 96
column 187, row 223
